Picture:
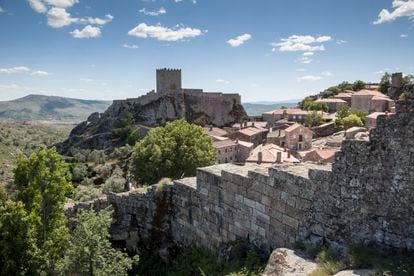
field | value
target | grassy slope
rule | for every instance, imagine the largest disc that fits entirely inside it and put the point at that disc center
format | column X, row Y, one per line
column 21, row 137
column 38, row 107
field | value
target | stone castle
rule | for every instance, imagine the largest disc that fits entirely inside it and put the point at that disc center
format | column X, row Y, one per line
column 366, row 196
column 170, row 102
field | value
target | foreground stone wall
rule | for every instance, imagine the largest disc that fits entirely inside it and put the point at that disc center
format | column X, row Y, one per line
column 366, row 196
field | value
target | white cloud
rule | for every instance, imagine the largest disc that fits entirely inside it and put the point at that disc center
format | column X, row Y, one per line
column 178, row 1
column 1, row 9
column 402, row 8
column 308, row 54
column 327, row 74
column 341, row 41
column 130, row 46
column 59, row 17
column 23, row 69
column 38, row 6
column 163, row 33
column 301, row 43
column 161, row 10
column 301, row 70
column 403, row 35
column 40, row 73
column 88, row 80
column 15, row 70
column 96, row 21
column 222, row 81
column 304, row 60
column 236, row 42
column 62, row 3
column 309, row 78
column 87, row 32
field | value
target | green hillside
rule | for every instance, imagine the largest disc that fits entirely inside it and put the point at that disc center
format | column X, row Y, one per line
column 39, row 107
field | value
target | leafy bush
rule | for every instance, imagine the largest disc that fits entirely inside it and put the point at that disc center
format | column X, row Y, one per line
column 314, row 119
column 174, row 151
column 114, row 184
column 79, row 172
column 352, row 121
column 86, row 193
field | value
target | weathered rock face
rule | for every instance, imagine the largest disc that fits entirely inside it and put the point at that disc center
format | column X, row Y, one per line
column 152, row 110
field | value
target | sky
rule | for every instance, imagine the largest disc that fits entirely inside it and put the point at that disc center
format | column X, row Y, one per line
column 265, row 50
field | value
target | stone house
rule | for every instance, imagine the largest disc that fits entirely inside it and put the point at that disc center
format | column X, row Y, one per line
column 227, row 151
column 290, row 114
column 254, row 135
column 243, row 150
column 270, row 154
column 334, row 104
column 371, row 101
column 215, row 131
column 345, row 96
column 297, row 137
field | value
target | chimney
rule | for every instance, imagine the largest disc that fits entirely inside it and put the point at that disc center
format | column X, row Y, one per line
column 288, row 152
column 253, row 124
column 259, row 157
column 284, row 148
column 237, row 140
column 241, row 125
column 279, row 157
column 245, row 123
column 211, row 128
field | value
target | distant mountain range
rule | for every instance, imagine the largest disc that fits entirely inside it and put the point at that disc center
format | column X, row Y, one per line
column 40, row 107
column 257, row 108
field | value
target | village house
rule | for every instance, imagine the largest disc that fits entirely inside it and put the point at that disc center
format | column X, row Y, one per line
column 345, row 96
column 320, row 156
column 270, row 154
column 227, row 151
column 245, row 124
column 255, row 135
column 243, row 150
column 334, row 104
column 296, row 137
column 216, row 133
column 371, row 119
column 290, row 114
column 371, row 101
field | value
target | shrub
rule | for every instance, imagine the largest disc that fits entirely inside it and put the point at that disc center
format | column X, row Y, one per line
column 114, row 184
column 86, row 193
column 351, row 121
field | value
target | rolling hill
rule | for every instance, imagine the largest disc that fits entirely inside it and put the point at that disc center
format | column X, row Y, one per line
column 257, row 108
column 40, row 107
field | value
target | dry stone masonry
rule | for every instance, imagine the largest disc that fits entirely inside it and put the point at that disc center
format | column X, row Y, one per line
column 365, row 197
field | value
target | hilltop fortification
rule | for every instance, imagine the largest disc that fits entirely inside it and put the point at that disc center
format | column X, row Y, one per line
column 169, row 102
column 365, row 197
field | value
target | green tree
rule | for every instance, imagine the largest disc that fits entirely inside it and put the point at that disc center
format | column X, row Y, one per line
column 358, row 85
column 43, row 183
column 314, row 119
column 351, row 121
column 90, row 251
column 18, row 251
column 385, row 83
column 345, row 111
column 126, row 131
column 173, row 151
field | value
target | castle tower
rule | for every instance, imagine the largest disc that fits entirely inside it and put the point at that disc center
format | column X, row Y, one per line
column 168, row 80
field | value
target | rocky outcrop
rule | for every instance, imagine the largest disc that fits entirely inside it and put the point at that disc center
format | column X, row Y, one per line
column 287, row 262
column 152, row 110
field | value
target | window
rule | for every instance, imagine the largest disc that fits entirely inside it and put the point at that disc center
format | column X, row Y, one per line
column 225, row 150
column 294, row 117
column 225, row 160
column 300, row 138
column 231, row 158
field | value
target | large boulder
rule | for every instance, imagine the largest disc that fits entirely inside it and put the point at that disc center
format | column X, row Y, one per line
column 287, row 262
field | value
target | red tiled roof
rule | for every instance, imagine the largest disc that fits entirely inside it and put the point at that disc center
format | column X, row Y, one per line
column 375, row 115
column 269, row 154
column 288, row 111
column 294, row 127
column 224, row 144
column 365, row 92
column 251, row 131
column 343, row 95
column 330, row 100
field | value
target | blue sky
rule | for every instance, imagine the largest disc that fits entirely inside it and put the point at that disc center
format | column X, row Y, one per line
column 263, row 49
